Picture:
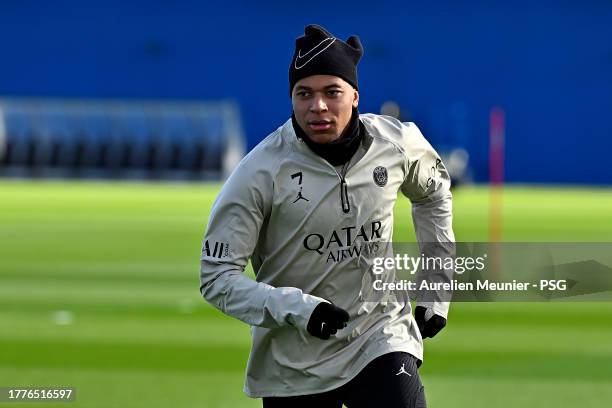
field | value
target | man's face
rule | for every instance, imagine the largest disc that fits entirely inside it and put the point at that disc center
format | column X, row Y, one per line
column 323, row 105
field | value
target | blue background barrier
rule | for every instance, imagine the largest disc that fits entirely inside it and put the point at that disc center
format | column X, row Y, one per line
column 547, row 64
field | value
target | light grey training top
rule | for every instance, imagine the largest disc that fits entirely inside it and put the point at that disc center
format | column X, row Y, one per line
column 283, row 208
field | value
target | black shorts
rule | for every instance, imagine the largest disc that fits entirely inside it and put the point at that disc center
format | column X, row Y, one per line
column 391, row 381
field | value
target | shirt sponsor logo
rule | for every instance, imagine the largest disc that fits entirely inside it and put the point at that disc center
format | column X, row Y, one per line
column 344, row 243
column 380, row 176
column 219, row 249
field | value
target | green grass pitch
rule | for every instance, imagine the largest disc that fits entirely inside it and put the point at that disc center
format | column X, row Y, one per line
column 99, row 291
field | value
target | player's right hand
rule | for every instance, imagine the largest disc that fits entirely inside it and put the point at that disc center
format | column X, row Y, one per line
column 326, row 319
column 430, row 325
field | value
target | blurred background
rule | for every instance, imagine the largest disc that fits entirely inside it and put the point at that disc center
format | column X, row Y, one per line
column 119, row 121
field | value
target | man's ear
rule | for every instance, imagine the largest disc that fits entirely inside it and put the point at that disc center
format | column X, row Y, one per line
column 356, row 98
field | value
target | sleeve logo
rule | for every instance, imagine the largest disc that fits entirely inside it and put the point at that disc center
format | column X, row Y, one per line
column 433, row 173
column 219, row 249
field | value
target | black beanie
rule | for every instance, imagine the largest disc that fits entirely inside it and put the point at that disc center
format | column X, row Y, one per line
column 318, row 52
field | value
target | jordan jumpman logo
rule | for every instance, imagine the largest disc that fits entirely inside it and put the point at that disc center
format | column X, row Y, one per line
column 403, row 371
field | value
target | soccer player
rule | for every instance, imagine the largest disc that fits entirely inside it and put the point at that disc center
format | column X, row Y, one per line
column 303, row 206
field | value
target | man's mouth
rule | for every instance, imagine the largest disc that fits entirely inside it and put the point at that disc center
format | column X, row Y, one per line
column 320, row 125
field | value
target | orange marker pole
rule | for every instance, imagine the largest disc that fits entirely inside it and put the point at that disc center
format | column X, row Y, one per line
column 497, row 130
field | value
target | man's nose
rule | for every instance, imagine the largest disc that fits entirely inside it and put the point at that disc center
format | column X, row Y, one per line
column 318, row 105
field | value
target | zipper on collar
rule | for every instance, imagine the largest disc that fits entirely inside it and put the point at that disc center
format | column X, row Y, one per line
column 344, row 197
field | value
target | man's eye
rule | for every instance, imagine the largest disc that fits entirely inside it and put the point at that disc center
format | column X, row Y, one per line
column 334, row 92
column 303, row 94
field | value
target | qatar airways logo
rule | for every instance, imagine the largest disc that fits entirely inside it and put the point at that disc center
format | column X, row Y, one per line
column 346, row 242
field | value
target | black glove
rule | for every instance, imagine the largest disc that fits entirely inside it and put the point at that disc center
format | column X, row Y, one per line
column 326, row 319
column 430, row 327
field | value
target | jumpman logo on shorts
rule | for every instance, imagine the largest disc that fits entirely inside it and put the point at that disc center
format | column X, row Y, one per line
column 403, row 371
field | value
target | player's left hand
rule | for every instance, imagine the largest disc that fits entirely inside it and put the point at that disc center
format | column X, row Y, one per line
column 429, row 326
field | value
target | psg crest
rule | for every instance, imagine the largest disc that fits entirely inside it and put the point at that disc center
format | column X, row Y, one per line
column 380, row 176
